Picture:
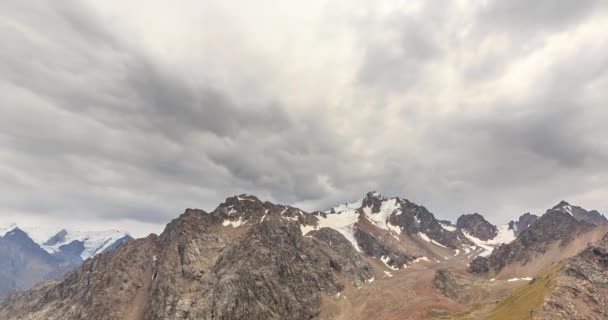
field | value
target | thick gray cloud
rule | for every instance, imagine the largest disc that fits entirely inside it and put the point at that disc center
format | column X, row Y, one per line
column 122, row 115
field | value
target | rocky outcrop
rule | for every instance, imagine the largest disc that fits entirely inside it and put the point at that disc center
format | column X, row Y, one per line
column 524, row 222
column 445, row 282
column 247, row 259
column 554, row 227
column 477, row 226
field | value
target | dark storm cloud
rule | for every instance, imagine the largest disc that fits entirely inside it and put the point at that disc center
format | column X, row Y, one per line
column 93, row 125
column 108, row 122
column 165, row 102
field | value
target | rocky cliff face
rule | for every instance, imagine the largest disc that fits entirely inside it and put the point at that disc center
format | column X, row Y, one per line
column 477, row 226
column 554, row 227
column 445, row 282
column 247, row 259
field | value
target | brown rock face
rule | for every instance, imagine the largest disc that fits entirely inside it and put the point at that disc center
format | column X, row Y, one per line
column 477, row 226
column 201, row 267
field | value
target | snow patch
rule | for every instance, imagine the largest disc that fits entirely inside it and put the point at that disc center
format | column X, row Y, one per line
column 504, row 236
column 568, row 209
column 421, row 259
column 393, row 228
column 447, row 227
column 519, row 279
column 306, row 229
column 386, row 210
column 343, row 221
column 233, row 224
column 385, row 260
column 429, row 240
column 349, row 233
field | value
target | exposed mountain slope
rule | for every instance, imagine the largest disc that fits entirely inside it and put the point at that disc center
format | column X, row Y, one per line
column 377, row 258
column 205, row 266
column 581, row 286
column 576, row 288
column 554, row 236
column 27, row 258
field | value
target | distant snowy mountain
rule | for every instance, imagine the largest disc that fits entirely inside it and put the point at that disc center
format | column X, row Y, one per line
column 29, row 255
column 53, row 240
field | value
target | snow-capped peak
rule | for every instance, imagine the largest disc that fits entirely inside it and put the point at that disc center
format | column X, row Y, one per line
column 94, row 241
column 375, row 194
column 565, row 207
column 5, row 230
column 52, row 239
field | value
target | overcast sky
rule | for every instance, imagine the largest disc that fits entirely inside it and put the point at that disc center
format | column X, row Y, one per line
column 120, row 114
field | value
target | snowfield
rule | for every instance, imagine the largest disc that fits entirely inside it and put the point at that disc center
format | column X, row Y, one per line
column 504, row 236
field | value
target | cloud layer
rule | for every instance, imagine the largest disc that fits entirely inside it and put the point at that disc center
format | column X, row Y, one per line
column 122, row 115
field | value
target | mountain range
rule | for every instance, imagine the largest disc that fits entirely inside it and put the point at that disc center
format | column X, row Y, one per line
column 375, row 258
column 29, row 255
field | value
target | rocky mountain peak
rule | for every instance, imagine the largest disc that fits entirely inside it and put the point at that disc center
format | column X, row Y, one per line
column 593, row 216
column 523, row 223
column 373, row 200
column 59, row 237
column 476, row 225
column 248, row 209
column 563, row 206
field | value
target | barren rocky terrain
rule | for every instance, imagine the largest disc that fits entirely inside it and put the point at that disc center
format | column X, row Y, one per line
column 378, row 258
